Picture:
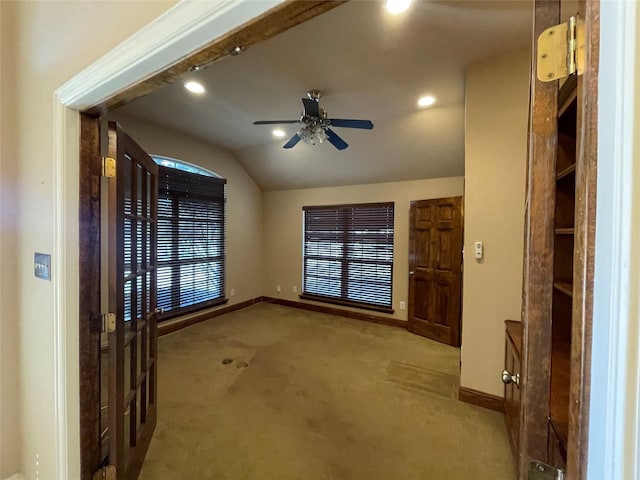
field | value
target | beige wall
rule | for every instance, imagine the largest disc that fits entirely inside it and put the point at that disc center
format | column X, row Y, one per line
column 49, row 42
column 244, row 199
column 283, row 228
column 497, row 104
column 9, row 386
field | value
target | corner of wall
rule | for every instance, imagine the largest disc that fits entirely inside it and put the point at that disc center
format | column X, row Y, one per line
column 496, row 122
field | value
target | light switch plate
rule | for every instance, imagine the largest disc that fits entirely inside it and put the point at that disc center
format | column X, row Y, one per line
column 42, row 265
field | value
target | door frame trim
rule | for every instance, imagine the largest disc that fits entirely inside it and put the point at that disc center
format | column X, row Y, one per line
column 614, row 445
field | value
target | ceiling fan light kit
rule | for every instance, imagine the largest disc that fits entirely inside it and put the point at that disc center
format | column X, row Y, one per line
column 316, row 126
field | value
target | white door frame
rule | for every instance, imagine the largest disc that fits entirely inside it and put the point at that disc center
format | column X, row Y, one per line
column 190, row 25
column 614, row 446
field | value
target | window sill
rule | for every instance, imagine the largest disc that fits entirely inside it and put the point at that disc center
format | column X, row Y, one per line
column 191, row 310
column 346, row 303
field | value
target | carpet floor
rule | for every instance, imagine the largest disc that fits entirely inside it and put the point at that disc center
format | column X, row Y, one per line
column 316, row 397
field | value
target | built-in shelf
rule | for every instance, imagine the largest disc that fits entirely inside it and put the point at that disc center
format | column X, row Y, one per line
column 565, row 231
column 568, row 95
column 564, row 287
column 567, row 171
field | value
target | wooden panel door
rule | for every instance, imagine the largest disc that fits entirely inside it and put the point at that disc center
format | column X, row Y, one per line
column 435, row 269
column 132, row 367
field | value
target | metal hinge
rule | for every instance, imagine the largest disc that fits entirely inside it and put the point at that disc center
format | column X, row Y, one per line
column 561, row 51
column 541, row 471
column 105, row 473
column 108, row 322
column 108, row 167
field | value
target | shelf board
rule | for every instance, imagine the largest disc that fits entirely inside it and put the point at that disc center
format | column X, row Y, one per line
column 564, row 287
column 567, row 94
column 565, row 231
column 567, row 171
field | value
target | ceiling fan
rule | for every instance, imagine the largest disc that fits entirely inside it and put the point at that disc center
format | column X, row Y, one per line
column 316, row 126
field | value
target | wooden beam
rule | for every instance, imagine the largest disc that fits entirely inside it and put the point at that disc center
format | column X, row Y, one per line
column 538, row 253
column 89, row 300
column 280, row 18
column 584, row 247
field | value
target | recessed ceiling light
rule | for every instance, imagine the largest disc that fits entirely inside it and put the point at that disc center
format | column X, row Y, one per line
column 395, row 7
column 194, row 87
column 426, row 101
column 278, row 133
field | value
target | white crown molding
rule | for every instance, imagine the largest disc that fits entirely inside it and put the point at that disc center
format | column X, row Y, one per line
column 184, row 28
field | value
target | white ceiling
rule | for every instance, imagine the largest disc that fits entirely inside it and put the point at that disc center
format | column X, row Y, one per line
column 370, row 65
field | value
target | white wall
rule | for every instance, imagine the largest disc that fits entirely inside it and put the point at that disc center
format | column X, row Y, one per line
column 48, row 43
column 497, row 106
column 244, row 199
column 283, row 229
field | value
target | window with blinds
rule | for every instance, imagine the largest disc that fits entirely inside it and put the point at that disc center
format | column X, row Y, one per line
column 191, row 241
column 348, row 254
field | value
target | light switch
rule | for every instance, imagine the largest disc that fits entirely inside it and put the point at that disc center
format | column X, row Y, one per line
column 42, row 265
column 479, row 250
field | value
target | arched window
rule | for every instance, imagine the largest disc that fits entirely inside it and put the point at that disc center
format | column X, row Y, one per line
column 191, row 237
column 183, row 166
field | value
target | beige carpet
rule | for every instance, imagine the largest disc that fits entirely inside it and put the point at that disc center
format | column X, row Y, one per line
column 322, row 397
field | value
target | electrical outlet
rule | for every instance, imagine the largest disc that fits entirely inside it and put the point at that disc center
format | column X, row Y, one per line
column 278, row 288
column 232, row 292
column 294, row 289
column 403, row 306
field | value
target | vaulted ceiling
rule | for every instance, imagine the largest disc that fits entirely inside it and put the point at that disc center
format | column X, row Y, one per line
column 370, row 65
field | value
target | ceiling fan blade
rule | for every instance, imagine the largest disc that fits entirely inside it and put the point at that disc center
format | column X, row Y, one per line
column 335, row 140
column 274, row 122
column 292, row 142
column 348, row 123
column 311, row 107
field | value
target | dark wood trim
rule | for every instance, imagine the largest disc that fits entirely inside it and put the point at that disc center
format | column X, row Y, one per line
column 166, row 328
column 481, row 399
column 537, row 292
column 89, row 298
column 392, row 322
column 280, row 18
column 192, row 309
column 584, row 252
column 345, row 303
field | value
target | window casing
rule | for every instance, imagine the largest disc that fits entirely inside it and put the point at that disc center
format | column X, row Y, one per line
column 348, row 255
column 191, row 241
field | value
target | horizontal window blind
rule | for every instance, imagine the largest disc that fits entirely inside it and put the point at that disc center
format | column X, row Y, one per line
column 348, row 253
column 191, row 241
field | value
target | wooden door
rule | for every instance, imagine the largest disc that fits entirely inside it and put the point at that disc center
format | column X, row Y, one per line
column 132, row 345
column 544, row 281
column 435, row 269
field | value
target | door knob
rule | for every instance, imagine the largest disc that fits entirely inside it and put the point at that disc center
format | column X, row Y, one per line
column 508, row 377
column 412, row 272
